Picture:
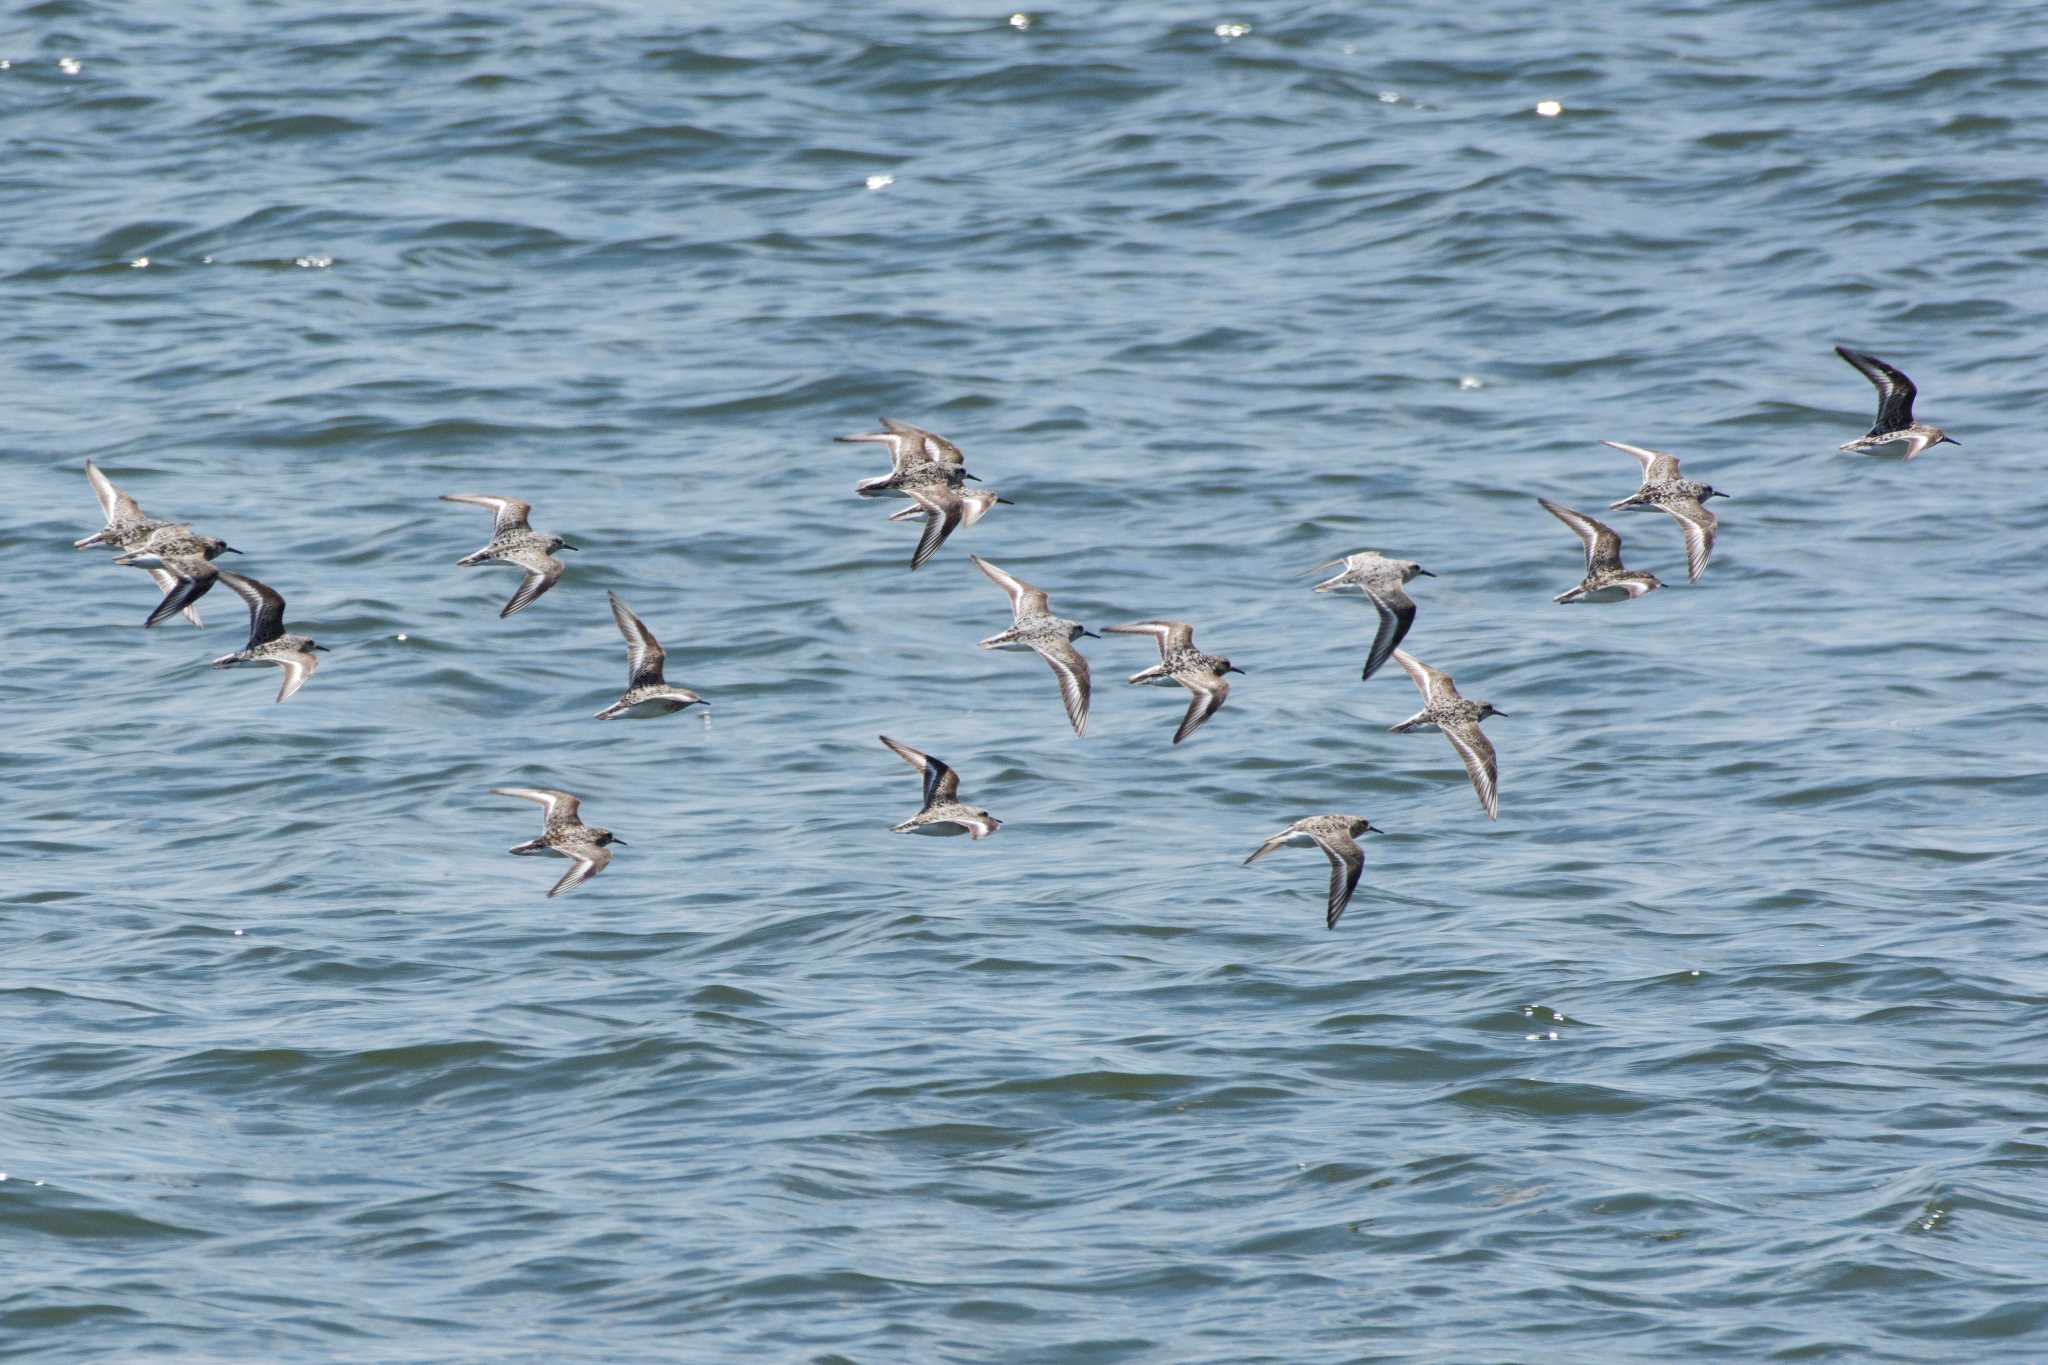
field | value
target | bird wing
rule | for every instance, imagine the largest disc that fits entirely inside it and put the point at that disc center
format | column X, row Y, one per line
column 941, row 783
column 165, row 581
column 1895, row 392
column 931, row 445
column 117, row 507
column 590, row 860
column 297, row 668
column 1347, row 861
column 1169, row 635
column 508, row 514
column 1207, row 696
column 1429, row 681
column 1397, row 612
column 1480, row 764
column 644, row 654
column 1072, row 671
column 194, row 577
column 542, row 570
column 1603, row 544
column 1657, row 466
column 1698, row 523
column 266, row 608
column 1025, row 600
column 555, row 804
column 941, row 516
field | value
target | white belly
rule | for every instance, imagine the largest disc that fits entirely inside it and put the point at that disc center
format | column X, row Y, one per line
column 648, row 710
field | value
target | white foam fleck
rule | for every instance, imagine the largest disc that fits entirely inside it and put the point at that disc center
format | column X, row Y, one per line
column 70, row 66
column 1390, row 97
column 880, row 182
column 238, row 933
column 206, row 260
column 1471, row 381
column 401, row 636
column 1232, row 30
column 1020, row 21
column 139, row 263
column 1549, row 108
column 5, row 65
column 313, row 262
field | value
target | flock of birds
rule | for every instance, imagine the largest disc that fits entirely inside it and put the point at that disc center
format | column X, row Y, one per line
column 930, row 471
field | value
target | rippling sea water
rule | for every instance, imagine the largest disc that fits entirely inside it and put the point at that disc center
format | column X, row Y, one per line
column 1724, row 1043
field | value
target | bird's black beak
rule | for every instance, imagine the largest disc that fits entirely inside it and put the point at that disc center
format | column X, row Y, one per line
column 1948, row 440
column 1006, row 502
column 229, row 549
column 1719, row 494
column 567, row 546
column 1234, row 669
column 1091, row 635
column 1498, row 712
column 965, row 475
column 617, row 840
column 1374, row 829
column 1424, row 572
column 322, row 648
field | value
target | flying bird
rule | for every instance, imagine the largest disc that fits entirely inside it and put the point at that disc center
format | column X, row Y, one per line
column 647, row 693
column 180, row 561
column 1606, row 580
column 1380, row 579
column 1895, row 394
column 1337, row 837
column 943, row 508
column 514, row 542
column 1034, row 627
column 1443, row 709
column 1683, row 500
column 268, row 644
column 564, row 835
column 1180, row 662
column 943, row 813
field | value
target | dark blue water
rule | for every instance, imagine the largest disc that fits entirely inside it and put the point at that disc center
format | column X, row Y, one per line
column 1723, row 1043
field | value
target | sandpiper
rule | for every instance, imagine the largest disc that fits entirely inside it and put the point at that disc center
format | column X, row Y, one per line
column 1337, row 837
column 179, row 561
column 943, row 812
column 1682, row 499
column 1380, row 579
column 127, row 524
column 647, row 694
column 1606, row 580
column 564, row 835
column 1443, row 709
column 1895, row 421
column 268, row 644
column 943, row 508
column 1033, row 626
column 1180, row 662
column 918, row 458
column 514, row 542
